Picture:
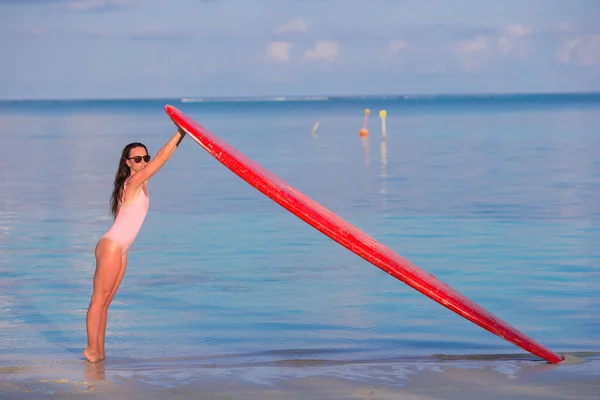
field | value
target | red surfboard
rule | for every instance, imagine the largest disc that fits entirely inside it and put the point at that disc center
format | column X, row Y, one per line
column 351, row 237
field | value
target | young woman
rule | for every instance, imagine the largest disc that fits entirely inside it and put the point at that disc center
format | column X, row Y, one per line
column 129, row 204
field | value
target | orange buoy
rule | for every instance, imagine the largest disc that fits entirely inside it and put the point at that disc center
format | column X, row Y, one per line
column 364, row 131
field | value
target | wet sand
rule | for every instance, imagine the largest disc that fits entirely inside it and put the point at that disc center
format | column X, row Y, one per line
column 576, row 379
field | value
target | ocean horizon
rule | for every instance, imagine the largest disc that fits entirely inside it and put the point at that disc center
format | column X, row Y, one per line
column 329, row 97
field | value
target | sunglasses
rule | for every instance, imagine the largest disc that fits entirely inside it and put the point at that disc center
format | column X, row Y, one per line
column 138, row 159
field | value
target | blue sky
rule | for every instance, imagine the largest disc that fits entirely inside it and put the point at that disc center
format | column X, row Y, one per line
column 177, row 48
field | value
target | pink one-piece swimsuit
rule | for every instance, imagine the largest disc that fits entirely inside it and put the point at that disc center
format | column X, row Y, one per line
column 129, row 220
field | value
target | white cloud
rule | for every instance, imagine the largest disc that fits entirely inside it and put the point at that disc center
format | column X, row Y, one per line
column 513, row 41
column 472, row 53
column 296, row 26
column 476, row 45
column 580, row 50
column 563, row 53
column 396, row 46
column 96, row 5
column 39, row 31
column 279, row 51
column 510, row 41
column 157, row 34
column 517, row 30
column 564, row 27
column 504, row 45
column 324, row 50
column 96, row 32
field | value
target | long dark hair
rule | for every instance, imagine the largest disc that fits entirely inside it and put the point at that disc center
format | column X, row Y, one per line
column 121, row 176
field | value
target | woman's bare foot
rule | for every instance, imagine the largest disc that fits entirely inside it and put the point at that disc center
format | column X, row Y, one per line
column 91, row 356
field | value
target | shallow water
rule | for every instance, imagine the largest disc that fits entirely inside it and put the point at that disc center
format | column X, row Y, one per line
column 497, row 199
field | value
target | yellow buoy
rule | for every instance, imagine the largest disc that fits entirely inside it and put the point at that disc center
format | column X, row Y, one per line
column 383, row 115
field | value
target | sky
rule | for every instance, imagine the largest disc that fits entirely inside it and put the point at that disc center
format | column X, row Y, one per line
column 74, row 49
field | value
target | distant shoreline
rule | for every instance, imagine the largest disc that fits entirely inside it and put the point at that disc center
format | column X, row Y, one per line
column 325, row 98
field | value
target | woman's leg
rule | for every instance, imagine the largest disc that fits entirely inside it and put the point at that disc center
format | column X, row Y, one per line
column 108, row 265
column 104, row 320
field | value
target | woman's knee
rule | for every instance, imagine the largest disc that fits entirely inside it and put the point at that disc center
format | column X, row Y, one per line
column 108, row 269
column 101, row 298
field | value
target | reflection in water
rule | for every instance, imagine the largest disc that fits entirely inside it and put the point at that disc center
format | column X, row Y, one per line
column 383, row 152
column 365, row 144
column 95, row 371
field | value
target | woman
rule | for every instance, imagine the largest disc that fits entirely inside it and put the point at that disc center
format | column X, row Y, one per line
column 129, row 204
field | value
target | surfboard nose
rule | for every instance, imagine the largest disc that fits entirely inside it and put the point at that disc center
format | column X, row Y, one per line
column 170, row 109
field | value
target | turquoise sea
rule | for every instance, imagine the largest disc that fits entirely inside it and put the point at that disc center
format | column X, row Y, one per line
column 498, row 196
